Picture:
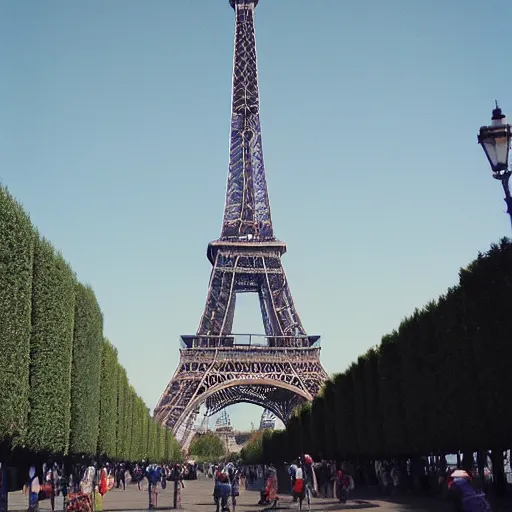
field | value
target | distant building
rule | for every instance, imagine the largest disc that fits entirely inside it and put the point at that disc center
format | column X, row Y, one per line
column 226, row 432
column 268, row 420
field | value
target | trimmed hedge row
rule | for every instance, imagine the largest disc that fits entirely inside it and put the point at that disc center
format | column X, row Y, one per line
column 86, row 371
column 108, row 399
column 16, row 261
column 122, row 392
column 51, row 349
column 62, row 389
column 437, row 384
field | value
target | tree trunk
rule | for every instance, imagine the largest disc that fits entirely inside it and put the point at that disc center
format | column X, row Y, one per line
column 467, row 461
column 442, row 464
column 498, row 472
column 4, row 488
column 482, row 463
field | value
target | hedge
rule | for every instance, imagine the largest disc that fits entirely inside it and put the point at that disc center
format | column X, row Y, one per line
column 122, row 391
column 86, row 371
column 137, row 452
column 435, row 385
column 62, row 389
column 152, row 451
column 318, row 415
column 391, row 396
column 128, row 422
column 163, row 442
column 108, row 400
column 51, row 348
column 145, row 434
column 16, row 260
column 136, row 429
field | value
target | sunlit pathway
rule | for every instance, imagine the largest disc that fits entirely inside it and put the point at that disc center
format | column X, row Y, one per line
column 197, row 497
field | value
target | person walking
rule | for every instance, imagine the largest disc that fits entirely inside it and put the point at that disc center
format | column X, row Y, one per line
column 464, row 496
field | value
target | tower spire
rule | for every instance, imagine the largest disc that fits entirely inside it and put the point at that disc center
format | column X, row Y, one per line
column 234, row 2
column 247, row 208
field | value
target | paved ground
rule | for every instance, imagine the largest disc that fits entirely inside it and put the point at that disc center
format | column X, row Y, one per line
column 197, row 497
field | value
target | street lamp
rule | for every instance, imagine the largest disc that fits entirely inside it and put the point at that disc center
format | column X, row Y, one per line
column 495, row 141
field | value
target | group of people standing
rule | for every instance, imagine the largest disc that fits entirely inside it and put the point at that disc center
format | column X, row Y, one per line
column 82, row 485
column 226, row 485
column 305, row 485
column 77, row 489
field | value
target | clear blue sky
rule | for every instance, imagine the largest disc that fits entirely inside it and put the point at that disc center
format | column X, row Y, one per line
column 114, row 135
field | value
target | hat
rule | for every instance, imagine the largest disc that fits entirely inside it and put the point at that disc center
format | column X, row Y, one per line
column 460, row 473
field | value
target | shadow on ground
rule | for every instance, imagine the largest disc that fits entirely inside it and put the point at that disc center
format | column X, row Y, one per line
column 350, row 505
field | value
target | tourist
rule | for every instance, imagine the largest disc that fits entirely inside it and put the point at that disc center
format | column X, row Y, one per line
column 299, row 487
column 464, row 496
column 344, row 484
column 222, row 489
column 269, row 493
column 33, row 488
column 292, row 471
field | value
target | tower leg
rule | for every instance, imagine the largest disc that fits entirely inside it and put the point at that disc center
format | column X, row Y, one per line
column 217, row 318
column 277, row 303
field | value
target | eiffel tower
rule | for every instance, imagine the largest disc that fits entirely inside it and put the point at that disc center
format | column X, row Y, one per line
column 277, row 370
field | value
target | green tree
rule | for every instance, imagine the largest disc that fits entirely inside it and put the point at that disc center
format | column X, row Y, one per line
column 16, row 263
column 142, row 430
column 356, row 372
column 433, row 386
column 51, row 348
column 391, row 396
column 207, row 447
column 152, row 440
column 463, row 414
column 252, row 452
column 128, row 422
column 307, row 431
column 274, row 445
column 318, row 416
column 376, row 445
column 294, row 429
column 86, row 371
column 122, row 397
column 174, row 452
column 487, row 289
column 139, row 411
column 162, row 443
column 145, row 433
column 158, row 446
column 169, row 446
column 420, row 366
column 329, row 395
column 414, row 368
column 108, row 400
column 346, row 426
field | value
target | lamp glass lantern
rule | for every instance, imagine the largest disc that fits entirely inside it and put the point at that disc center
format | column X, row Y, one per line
column 495, row 141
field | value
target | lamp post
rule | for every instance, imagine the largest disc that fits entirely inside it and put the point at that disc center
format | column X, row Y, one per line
column 495, row 141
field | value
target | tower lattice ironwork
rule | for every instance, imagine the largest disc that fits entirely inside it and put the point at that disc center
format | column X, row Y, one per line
column 282, row 368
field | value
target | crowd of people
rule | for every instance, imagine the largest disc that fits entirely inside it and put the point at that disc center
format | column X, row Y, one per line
column 326, row 479
column 229, row 478
column 81, row 484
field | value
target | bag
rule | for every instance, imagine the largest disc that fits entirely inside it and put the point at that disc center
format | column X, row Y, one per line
column 298, row 486
column 46, row 491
